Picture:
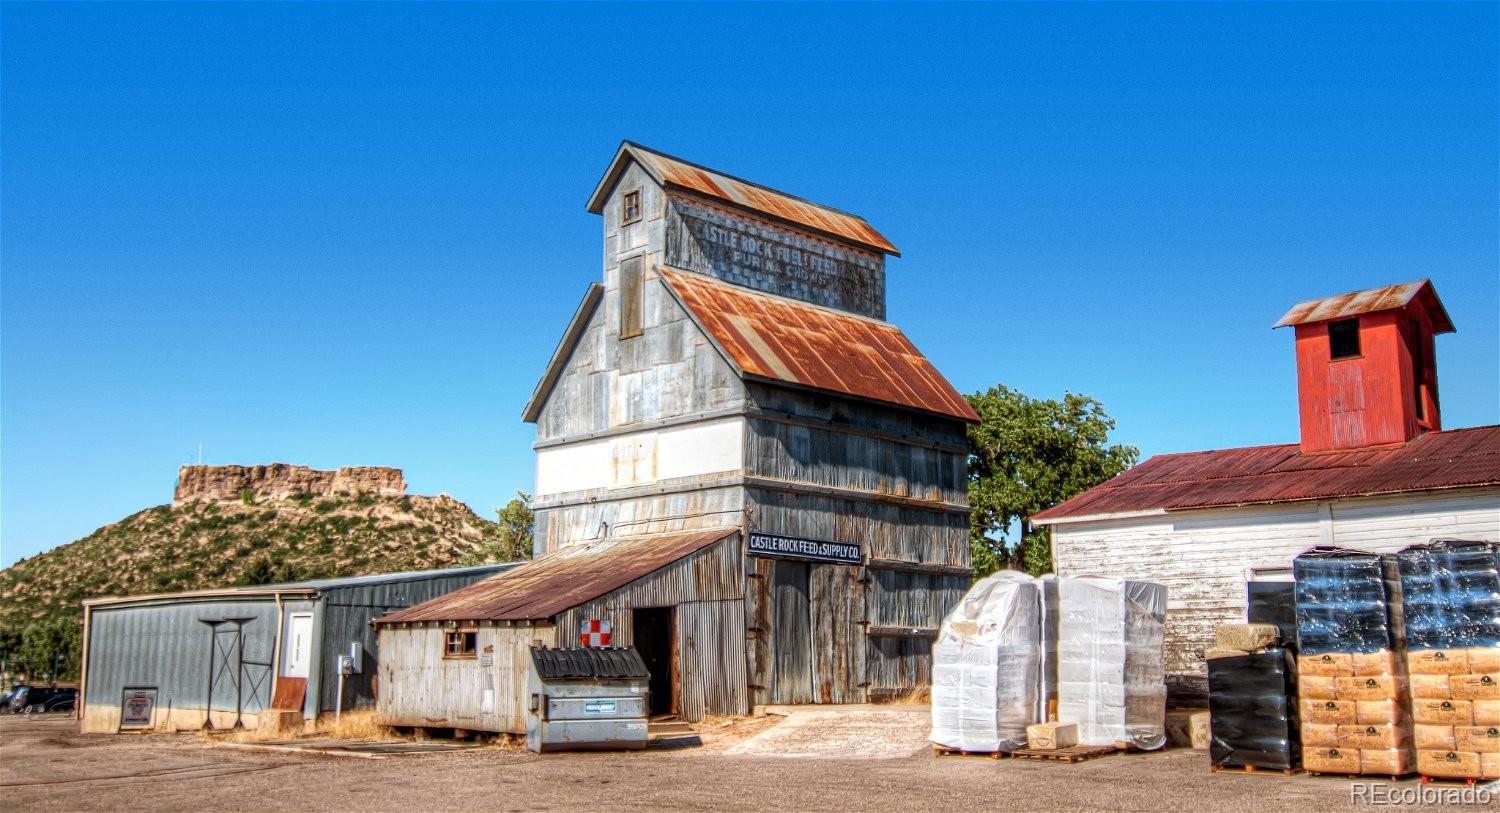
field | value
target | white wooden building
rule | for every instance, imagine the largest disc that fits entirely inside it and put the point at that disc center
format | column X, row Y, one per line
column 1374, row 471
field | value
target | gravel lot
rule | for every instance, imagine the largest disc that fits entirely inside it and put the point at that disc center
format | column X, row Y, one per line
column 46, row 765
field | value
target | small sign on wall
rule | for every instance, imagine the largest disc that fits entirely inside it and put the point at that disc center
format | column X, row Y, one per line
column 594, row 632
column 136, row 707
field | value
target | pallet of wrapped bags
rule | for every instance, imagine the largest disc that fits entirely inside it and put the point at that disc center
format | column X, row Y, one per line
column 1252, row 702
column 1351, row 679
column 1111, row 677
column 1451, row 590
column 985, row 667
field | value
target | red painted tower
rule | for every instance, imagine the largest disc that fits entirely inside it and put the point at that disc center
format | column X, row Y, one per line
column 1366, row 372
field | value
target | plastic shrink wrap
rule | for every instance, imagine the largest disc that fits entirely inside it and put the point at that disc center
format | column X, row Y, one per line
column 1274, row 603
column 1252, row 703
column 1111, row 678
column 1047, row 697
column 986, row 664
column 1352, row 682
column 1451, row 592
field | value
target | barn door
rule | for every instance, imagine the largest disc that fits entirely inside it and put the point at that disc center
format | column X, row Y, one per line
column 224, row 676
column 793, row 639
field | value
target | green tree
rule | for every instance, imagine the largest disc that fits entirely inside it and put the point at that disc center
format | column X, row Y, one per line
column 511, row 539
column 1025, row 456
column 50, row 648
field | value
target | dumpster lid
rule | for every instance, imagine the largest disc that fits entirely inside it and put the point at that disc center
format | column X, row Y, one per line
column 588, row 662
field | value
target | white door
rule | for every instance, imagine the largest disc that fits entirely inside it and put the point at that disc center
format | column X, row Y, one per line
column 298, row 656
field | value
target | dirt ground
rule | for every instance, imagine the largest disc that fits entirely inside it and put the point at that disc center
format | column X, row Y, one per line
column 46, row 765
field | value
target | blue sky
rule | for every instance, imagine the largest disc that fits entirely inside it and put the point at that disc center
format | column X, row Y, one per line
column 352, row 234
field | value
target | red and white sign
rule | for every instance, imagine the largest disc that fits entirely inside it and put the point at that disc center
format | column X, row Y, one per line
column 594, row 633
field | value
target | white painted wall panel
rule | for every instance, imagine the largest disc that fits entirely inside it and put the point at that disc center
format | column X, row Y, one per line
column 1203, row 556
column 642, row 458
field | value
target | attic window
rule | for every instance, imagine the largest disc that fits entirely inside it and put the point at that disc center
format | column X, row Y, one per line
column 1343, row 339
column 630, row 207
column 461, row 644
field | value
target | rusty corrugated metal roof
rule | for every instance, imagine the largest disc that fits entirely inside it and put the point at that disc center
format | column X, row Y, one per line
column 544, row 587
column 1385, row 298
column 1457, row 458
column 779, row 339
column 673, row 172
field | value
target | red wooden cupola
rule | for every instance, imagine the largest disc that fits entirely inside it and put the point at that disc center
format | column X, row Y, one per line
column 1366, row 370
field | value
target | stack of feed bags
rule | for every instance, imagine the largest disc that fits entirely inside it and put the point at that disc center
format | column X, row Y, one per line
column 986, row 666
column 1351, row 676
column 1451, row 590
column 1110, row 674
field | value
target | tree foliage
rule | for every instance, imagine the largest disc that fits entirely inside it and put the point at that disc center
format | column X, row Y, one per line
column 510, row 541
column 1025, row 456
column 49, row 649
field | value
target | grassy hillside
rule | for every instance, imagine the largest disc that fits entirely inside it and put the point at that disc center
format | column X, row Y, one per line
column 202, row 545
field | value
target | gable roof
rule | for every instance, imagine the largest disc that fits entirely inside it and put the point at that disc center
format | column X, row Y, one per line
column 1456, row 458
column 561, row 580
column 675, row 173
column 560, row 354
column 788, row 341
column 1372, row 300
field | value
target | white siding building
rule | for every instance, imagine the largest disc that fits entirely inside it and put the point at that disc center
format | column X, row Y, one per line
column 1204, row 523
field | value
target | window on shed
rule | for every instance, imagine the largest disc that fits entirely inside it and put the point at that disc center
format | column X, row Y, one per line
column 461, row 644
column 630, row 207
column 632, row 298
column 1343, row 339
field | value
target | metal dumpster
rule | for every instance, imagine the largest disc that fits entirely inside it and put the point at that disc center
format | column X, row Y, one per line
column 590, row 698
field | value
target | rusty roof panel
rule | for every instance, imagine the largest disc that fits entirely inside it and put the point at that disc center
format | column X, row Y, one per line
column 1264, row 474
column 674, row 172
column 544, row 587
column 1355, row 303
column 780, row 339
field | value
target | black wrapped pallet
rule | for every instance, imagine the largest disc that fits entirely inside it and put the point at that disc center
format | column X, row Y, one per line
column 1451, row 591
column 1347, row 601
column 1252, row 705
column 1273, row 603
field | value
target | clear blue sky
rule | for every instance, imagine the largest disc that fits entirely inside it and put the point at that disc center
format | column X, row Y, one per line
column 352, row 234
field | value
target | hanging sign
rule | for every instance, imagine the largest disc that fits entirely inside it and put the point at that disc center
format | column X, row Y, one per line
column 816, row 550
column 136, row 708
column 594, row 632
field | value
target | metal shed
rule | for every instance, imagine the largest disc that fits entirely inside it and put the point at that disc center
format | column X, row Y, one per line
column 217, row 658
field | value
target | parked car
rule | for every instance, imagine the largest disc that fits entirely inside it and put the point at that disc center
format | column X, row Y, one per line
column 42, row 699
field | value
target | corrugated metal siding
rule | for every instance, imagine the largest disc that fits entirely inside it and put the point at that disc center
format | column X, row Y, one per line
column 909, row 601
column 167, row 646
column 844, row 458
column 780, row 339
column 710, row 643
column 347, row 612
column 885, row 531
column 419, row 687
column 1281, row 473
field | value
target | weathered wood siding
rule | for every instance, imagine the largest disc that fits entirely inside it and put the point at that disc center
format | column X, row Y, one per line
column 710, row 645
column 757, row 253
column 692, row 507
column 419, row 687
column 1204, row 557
column 886, row 531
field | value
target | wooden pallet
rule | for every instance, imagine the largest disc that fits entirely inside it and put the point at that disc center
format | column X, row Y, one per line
column 944, row 751
column 1452, row 780
column 1347, row 774
column 1075, row 753
column 1251, row 769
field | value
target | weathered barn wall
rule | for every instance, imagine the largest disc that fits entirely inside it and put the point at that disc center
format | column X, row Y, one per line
column 707, row 589
column 1203, row 557
column 586, row 468
column 715, row 240
column 346, row 612
column 167, row 646
column 422, row 688
column 630, row 512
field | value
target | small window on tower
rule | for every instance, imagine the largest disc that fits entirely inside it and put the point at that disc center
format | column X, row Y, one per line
column 630, row 207
column 1343, row 339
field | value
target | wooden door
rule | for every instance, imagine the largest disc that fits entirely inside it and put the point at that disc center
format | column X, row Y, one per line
column 793, row 633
